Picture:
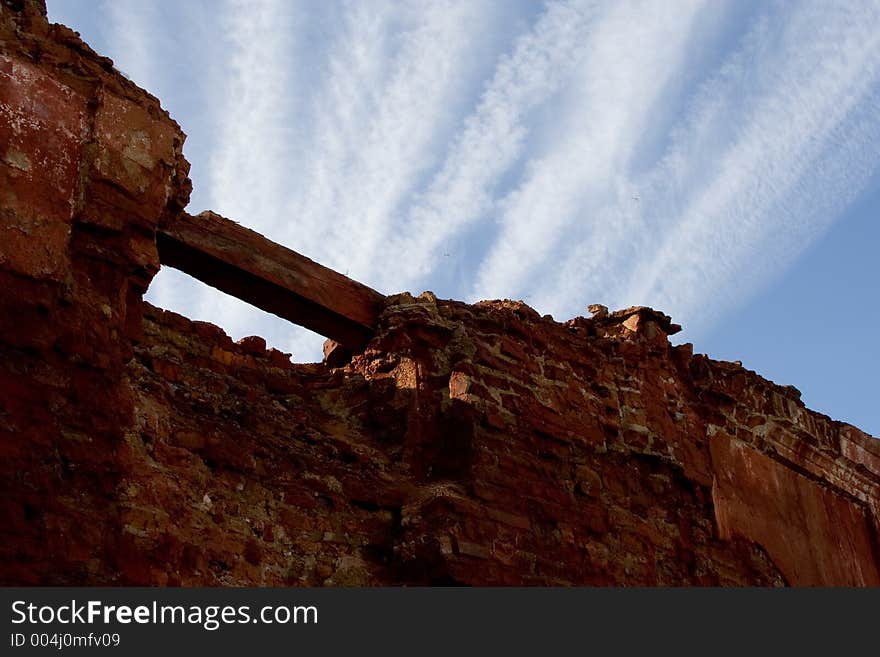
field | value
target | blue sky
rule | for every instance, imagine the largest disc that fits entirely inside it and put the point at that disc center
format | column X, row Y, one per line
column 716, row 160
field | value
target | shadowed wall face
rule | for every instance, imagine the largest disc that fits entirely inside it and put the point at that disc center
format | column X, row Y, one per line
column 477, row 444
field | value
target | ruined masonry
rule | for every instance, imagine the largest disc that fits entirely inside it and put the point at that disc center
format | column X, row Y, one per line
column 439, row 442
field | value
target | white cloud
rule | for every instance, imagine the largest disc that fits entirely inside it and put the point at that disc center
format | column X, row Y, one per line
column 395, row 74
column 248, row 168
column 601, row 151
column 492, row 140
column 247, row 172
column 634, row 50
column 774, row 148
column 131, row 36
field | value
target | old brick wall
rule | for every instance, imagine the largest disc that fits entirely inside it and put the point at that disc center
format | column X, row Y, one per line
column 595, row 452
column 89, row 164
column 477, row 444
column 485, row 445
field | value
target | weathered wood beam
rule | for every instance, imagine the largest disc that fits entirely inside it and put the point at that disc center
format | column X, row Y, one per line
column 246, row 265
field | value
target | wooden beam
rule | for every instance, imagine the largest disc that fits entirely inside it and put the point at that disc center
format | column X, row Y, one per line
column 246, row 265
